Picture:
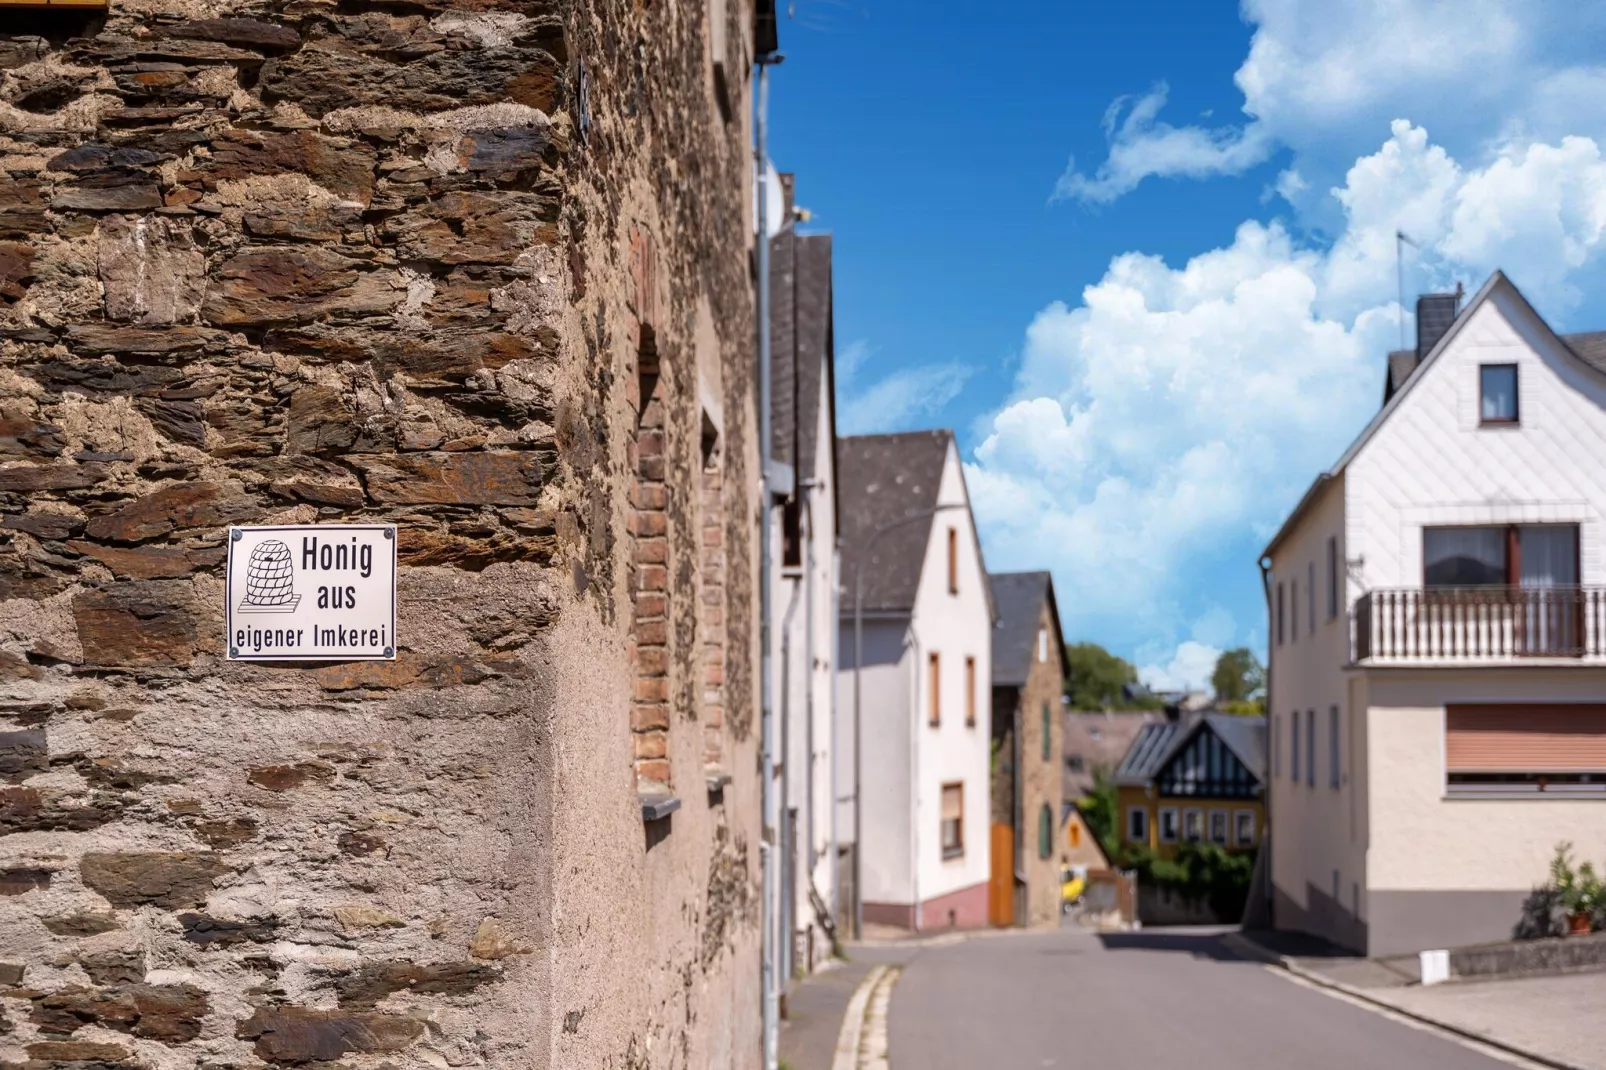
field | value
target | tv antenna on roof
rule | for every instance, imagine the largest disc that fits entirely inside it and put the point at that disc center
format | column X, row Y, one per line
column 1401, row 240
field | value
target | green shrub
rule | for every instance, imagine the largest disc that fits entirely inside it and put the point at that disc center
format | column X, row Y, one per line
column 1204, row 871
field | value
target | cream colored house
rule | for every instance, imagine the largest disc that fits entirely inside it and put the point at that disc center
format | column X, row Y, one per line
column 1437, row 639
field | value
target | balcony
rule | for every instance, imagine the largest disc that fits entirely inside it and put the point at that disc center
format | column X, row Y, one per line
column 1479, row 625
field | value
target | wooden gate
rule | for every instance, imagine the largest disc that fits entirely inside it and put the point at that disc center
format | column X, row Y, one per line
column 1001, row 883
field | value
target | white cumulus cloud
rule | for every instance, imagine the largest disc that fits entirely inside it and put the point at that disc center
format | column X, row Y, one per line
column 1174, row 413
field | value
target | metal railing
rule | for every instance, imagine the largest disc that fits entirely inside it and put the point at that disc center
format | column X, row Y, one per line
column 1480, row 623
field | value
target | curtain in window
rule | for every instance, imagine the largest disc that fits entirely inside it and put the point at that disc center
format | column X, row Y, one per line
column 1464, row 557
column 1499, row 392
column 1549, row 559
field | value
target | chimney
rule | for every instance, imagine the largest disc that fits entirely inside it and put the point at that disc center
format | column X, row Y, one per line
column 1434, row 315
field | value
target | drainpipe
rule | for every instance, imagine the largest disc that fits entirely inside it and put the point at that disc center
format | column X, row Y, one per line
column 767, row 845
column 914, row 779
column 787, row 903
column 806, row 523
column 835, row 616
column 1271, row 762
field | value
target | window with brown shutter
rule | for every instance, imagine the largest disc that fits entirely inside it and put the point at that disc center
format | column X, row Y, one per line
column 934, row 687
column 1554, row 748
column 953, row 820
column 970, row 692
column 953, row 560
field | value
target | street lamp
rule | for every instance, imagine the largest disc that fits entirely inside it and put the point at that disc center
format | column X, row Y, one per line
column 863, row 558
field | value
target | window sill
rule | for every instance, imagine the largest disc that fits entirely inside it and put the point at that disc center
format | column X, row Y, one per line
column 1500, row 423
column 948, row 854
column 656, row 807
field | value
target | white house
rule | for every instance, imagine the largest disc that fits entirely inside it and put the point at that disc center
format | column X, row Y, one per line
column 924, row 689
column 1438, row 640
column 803, row 600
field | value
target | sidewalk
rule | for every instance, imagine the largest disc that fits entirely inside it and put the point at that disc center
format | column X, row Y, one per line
column 1556, row 1021
column 815, row 1005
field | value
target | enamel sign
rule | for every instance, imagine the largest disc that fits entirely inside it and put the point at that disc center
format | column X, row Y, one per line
column 312, row 592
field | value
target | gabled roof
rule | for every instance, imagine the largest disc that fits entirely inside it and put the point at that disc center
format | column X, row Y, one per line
column 801, row 347
column 883, row 478
column 1019, row 597
column 1157, row 744
column 1148, row 752
column 1588, row 348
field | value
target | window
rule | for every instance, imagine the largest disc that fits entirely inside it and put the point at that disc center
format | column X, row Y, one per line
column 1244, row 827
column 1193, row 825
column 1310, row 748
column 1293, row 748
column 1293, row 611
column 1073, row 833
column 1550, row 749
column 792, row 533
column 1168, row 824
column 1332, row 577
column 1075, row 763
column 1048, row 734
column 1137, row 825
column 1218, row 827
column 1279, row 613
column 934, row 687
column 1045, row 832
column 1497, row 388
column 953, row 820
column 1333, row 770
column 970, row 692
column 953, row 560
column 1310, row 596
column 1276, row 745
column 1042, row 644
column 1528, row 555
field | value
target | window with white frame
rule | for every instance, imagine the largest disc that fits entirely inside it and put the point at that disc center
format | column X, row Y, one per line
column 1244, row 827
column 1192, row 825
column 1218, row 827
column 1137, row 824
column 1168, row 824
column 1042, row 644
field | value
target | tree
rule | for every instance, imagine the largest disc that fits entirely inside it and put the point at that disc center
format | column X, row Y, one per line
column 1099, row 680
column 1099, row 810
column 1239, row 681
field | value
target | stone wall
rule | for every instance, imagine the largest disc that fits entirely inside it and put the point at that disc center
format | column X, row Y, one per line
column 293, row 261
column 1040, row 776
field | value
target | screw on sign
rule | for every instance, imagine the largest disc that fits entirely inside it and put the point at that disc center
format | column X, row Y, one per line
column 268, row 587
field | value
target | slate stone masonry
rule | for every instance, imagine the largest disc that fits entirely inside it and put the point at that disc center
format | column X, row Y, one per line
column 297, row 261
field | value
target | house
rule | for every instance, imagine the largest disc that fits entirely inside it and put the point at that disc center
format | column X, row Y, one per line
column 1080, row 847
column 912, row 562
column 1095, row 742
column 512, row 356
column 1198, row 779
column 804, row 596
column 1438, row 655
column 1029, row 672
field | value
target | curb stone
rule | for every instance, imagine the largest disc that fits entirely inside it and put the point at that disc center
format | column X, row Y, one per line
column 1248, row 949
column 848, row 1039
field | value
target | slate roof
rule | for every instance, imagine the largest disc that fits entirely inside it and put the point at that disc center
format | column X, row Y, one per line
column 1587, row 346
column 1019, row 597
column 880, row 479
column 1101, row 740
column 1155, row 745
column 1149, row 751
column 801, row 347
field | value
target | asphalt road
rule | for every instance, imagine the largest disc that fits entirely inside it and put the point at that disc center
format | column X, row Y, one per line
column 1146, row 1001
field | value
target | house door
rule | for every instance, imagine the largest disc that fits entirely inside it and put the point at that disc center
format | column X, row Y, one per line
column 1001, row 881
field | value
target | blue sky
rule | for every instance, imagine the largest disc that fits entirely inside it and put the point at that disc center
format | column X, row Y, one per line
column 1141, row 255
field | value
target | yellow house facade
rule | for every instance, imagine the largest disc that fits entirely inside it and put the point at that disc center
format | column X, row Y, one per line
column 1194, row 781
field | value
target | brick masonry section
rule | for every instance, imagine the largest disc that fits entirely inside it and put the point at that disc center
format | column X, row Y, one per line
column 650, row 628
column 713, row 615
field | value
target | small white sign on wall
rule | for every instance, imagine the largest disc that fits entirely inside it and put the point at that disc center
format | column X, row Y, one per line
column 311, row 592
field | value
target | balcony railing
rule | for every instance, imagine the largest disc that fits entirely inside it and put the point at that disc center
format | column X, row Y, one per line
column 1480, row 623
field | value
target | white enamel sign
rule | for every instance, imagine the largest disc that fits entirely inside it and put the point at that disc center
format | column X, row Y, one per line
column 312, row 592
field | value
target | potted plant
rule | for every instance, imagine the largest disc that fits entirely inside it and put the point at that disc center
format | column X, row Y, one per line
column 1580, row 891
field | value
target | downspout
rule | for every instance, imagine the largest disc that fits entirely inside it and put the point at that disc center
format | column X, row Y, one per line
column 836, row 798
column 914, row 779
column 806, row 522
column 1271, row 761
column 767, row 845
column 787, row 903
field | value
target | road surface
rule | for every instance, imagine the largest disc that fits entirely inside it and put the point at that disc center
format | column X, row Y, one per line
column 1149, row 1000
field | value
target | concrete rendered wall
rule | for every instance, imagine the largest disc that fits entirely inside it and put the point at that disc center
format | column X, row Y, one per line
column 1316, row 831
column 887, row 794
column 293, row 264
column 1446, row 872
column 955, row 627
